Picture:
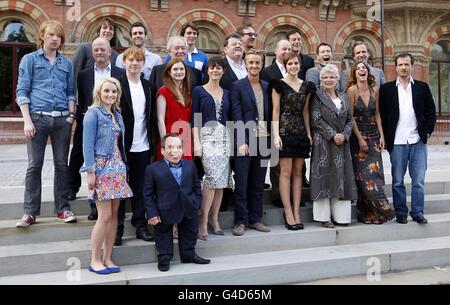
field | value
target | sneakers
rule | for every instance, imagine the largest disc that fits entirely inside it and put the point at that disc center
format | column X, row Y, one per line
column 26, row 221
column 67, row 216
column 259, row 227
column 239, row 230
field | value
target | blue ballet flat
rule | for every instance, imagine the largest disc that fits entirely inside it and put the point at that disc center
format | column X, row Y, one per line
column 102, row 272
column 114, row 269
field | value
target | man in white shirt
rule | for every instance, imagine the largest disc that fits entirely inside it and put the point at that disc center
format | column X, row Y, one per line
column 138, row 34
column 408, row 115
column 234, row 54
column 101, row 52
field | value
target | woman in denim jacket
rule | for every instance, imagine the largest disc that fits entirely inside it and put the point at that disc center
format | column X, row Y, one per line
column 104, row 162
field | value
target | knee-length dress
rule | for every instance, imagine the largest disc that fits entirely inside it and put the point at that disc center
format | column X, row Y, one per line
column 292, row 126
column 215, row 141
column 177, row 120
column 111, row 175
column 372, row 205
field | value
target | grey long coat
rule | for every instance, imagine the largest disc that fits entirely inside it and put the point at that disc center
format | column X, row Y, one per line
column 331, row 165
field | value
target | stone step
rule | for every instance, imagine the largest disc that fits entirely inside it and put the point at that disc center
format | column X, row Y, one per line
column 11, row 204
column 275, row 267
column 49, row 229
column 31, row 258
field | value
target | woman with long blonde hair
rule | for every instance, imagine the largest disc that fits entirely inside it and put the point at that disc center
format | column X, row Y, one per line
column 104, row 162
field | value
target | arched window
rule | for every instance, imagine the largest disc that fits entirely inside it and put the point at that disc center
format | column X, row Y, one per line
column 348, row 44
column 440, row 75
column 210, row 39
column 17, row 38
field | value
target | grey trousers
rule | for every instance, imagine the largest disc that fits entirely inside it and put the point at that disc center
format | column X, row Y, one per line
column 60, row 131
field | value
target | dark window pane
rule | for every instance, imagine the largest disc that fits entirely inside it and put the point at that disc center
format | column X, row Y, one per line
column 445, row 94
column 6, row 78
column 434, row 83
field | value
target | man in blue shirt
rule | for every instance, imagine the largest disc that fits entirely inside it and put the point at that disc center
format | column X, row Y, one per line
column 45, row 94
column 194, row 58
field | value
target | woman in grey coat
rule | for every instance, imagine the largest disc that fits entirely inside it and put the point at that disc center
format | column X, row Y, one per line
column 332, row 180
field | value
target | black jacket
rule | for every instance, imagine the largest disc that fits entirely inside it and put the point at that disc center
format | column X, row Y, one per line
column 126, row 106
column 424, row 109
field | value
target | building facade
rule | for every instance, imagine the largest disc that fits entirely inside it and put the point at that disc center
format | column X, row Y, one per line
column 419, row 27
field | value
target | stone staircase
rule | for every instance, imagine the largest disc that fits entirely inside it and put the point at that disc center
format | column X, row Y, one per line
column 52, row 252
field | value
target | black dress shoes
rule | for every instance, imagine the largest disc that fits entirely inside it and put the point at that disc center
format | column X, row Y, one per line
column 119, row 234
column 144, row 235
column 163, row 266
column 93, row 215
column 402, row 219
column 421, row 220
column 195, row 260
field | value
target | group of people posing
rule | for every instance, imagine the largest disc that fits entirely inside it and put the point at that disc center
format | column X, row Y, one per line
column 173, row 136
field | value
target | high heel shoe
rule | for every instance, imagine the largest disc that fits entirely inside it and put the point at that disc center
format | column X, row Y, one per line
column 288, row 226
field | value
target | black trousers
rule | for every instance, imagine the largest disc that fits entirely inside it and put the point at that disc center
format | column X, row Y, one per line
column 137, row 163
column 76, row 157
column 187, row 239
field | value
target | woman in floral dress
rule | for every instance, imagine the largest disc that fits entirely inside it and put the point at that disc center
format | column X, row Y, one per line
column 104, row 156
column 366, row 144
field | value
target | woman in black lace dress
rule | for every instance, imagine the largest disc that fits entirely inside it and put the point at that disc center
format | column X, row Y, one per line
column 366, row 144
column 292, row 135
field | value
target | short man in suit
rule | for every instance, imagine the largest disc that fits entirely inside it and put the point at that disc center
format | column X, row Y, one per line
column 102, row 68
column 172, row 195
column 408, row 115
column 250, row 107
column 138, row 34
column 177, row 47
column 136, row 101
column 360, row 53
column 324, row 54
column 295, row 38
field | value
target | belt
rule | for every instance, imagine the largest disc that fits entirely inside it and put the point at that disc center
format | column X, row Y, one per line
column 54, row 114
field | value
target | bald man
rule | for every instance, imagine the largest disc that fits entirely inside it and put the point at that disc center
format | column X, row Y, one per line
column 102, row 68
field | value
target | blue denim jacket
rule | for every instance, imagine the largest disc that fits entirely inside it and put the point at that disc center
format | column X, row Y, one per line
column 99, row 136
column 44, row 86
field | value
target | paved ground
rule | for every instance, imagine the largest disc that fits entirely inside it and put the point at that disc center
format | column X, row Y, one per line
column 429, row 276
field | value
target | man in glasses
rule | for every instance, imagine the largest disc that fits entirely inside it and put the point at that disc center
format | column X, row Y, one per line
column 248, row 37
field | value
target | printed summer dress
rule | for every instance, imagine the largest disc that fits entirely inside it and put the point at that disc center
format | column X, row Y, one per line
column 111, row 175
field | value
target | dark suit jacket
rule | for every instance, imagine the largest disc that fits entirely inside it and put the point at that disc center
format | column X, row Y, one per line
column 126, row 106
column 85, row 85
column 165, row 198
column 156, row 78
column 424, row 109
column 244, row 109
column 271, row 73
column 308, row 63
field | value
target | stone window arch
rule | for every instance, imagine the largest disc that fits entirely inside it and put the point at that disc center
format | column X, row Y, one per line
column 210, row 39
column 440, row 74
column 18, row 22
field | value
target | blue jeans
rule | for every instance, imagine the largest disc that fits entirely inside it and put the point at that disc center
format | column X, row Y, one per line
column 413, row 157
column 60, row 132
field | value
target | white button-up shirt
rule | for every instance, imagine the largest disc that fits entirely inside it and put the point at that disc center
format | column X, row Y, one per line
column 406, row 132
column 282, row 68
column 240, row 71
column 101, row 74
